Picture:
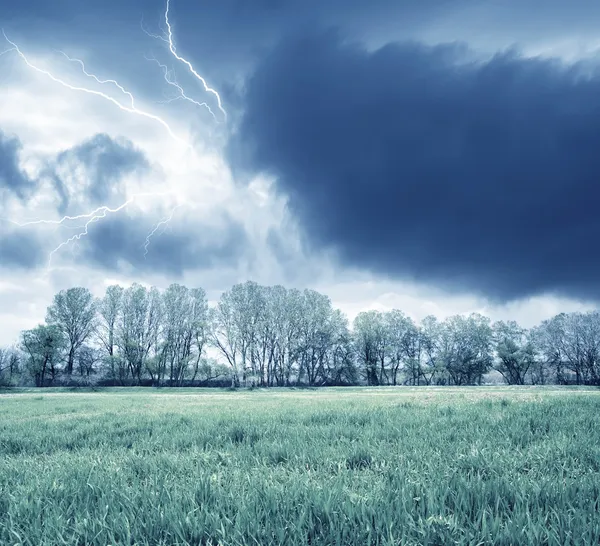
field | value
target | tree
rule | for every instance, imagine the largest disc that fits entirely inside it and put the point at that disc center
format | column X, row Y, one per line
column 184, row 331
column 87, row 359
column 43, row 347
column 371, row 343
column 590, row 340
column 515, row 352
column 9, row 365
column 73, row 311
column 225, row 335
column 405, row 347
column 466, row 345
column 340, row 368
column 432, row 349
column 138, row 327
column 286, row 314
column 272, row 334
column 549, row 367
column 570, row 346
column 238, row 314
column 210, row 369
column 200, row 326
column 109, row 309
column 318, row 331
column 256, row 329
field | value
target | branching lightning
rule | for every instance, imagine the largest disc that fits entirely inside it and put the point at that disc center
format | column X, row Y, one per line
column 90, row 217
column 168, row 39
column 181, row 93
column 128, row 106
column 157, row 36
column 163, row 223
column 132, row 109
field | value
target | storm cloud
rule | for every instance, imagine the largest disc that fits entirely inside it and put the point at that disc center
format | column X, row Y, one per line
column 413, row 163
column 95, row 169
column 117, row 244
column 12, row 176
column 20, row 249
column 226, row 38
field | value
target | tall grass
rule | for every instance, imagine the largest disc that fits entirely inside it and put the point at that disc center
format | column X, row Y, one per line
column 342, row 467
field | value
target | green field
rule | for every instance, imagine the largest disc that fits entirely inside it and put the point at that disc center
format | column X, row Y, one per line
column 331, row 466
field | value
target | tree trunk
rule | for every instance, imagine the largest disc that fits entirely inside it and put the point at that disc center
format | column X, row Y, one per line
column 70, row 361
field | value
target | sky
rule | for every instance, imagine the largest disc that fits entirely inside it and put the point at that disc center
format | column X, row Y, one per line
column 433, row 156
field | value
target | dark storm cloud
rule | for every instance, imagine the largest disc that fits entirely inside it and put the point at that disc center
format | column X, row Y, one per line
column 20, row 249
column 480, row 177
column 101, row 162
column 12, row 177
column 118, row 242
column 242, row 19
column 224, row 38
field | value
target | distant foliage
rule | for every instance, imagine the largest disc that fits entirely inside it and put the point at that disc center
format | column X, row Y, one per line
column 10, row 366
column 266, row 336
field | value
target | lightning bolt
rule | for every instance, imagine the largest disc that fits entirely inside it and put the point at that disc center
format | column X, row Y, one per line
column 130, row 109
column 181, row 95
column 163, row 222
column 168, row 39
column 90, row 217
column 157, row 36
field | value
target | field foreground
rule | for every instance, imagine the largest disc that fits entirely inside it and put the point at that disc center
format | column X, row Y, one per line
column 345, row 467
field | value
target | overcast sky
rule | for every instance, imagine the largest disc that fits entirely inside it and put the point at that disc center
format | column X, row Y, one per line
column 434, row 156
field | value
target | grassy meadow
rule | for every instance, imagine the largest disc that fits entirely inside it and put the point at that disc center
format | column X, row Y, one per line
column 360, row 466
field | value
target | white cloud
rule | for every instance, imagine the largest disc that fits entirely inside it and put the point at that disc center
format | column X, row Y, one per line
column 356, row 292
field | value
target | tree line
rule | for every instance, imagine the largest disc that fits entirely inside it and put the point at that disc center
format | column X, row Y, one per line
column 270, row 336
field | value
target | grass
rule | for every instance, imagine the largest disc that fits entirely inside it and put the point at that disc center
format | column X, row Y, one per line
column 342, row 467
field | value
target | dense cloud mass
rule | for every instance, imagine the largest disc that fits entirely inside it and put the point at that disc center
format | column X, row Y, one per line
column 97, row 165
column 240, row 20
column 12, row 177
column 20, row 249
column 118, row 243
column 225, row 38
column 412, row 162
